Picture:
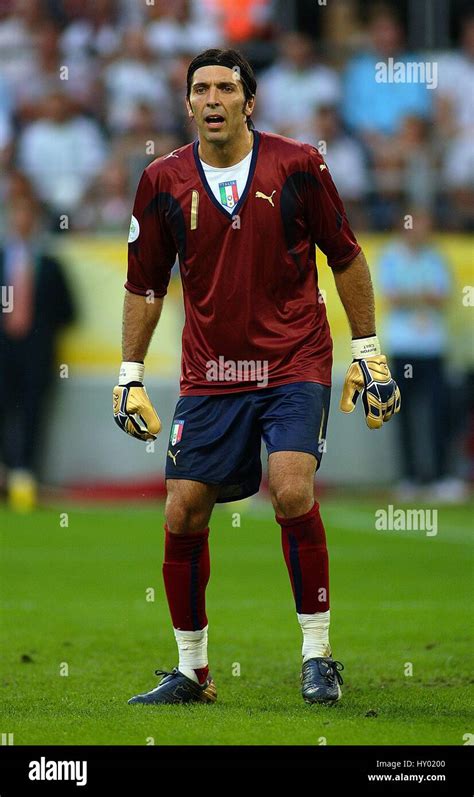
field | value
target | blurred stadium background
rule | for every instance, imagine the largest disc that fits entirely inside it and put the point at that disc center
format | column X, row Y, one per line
column 90, row 92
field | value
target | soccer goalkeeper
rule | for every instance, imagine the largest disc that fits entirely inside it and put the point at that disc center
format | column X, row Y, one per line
column 243, row 210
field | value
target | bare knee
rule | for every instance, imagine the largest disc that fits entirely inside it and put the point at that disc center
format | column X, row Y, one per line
column 185, row 518
column 291, row 482
column 187, row 510
column 293, row 498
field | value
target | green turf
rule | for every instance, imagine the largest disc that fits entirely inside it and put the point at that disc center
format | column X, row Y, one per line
column 77, row 595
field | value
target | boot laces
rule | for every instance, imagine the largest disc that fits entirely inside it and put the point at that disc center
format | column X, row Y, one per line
column 165, row 673
column 333, row 668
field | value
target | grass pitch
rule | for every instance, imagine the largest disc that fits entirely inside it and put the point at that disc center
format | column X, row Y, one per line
column 81, row 632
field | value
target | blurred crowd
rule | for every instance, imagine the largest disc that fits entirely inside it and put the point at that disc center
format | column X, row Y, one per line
column 91, row 91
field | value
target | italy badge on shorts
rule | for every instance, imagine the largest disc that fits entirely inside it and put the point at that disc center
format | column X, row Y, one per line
column 229, row 194
column 176, row 432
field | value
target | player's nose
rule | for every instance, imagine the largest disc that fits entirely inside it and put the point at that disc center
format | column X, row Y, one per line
column 212, row 96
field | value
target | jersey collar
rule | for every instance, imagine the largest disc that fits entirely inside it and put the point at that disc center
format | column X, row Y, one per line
column 207, row 187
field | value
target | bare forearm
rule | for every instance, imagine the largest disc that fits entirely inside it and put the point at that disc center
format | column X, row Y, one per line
column 355, row 290
column 140, row 317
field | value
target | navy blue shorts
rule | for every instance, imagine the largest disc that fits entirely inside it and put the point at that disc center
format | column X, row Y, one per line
column 217, row 439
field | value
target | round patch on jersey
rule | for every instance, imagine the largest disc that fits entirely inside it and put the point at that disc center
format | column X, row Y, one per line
column 134, row 230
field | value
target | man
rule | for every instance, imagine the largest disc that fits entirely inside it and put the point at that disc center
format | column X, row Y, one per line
column 295, row 86
column 374, row 107
column 243, row 210
column 415, row 280
column 44, row 154
column 36, row 304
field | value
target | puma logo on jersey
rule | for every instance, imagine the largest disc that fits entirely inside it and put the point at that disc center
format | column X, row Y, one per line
column 173, row 456
column 322, row 166
column 171, row 155
column 261, row 195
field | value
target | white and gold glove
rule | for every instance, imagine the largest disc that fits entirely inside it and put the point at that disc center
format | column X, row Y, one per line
column 369, row 374
column 133, row 410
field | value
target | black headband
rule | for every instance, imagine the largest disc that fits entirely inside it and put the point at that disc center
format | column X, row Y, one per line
column 224, row 60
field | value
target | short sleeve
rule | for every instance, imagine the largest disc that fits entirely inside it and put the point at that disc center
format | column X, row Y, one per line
column 151, row 248
column 326, row 215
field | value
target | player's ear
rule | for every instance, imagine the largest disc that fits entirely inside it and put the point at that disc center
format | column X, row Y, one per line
column 249, row 106
column 189, row 109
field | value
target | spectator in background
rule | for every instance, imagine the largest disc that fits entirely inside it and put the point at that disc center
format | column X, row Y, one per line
column 184, row 126
column 376, row 110
column 419, row 160
column 96, row 32
column 36, row 303
column 79, row 81
column 173, row 30
column 17, row 29
column 61, row 153
column 106, row 206
column 415, row 281
column 404, row 171
column 141, row 144
column 134, row 77
column 454, row 99
column 345, row 158
column 14, row 185
column 292, row 89
column 455, row 127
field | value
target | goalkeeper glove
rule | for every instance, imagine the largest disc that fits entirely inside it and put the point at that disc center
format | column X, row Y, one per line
column 369, row 374
column 133, row 410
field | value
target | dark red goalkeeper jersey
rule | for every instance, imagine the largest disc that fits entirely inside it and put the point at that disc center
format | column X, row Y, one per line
column 249, row 278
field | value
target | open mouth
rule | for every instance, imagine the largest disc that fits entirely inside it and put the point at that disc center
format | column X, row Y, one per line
column 215, row 121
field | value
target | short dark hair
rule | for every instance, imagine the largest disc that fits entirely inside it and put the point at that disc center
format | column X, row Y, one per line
column 230, row 58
